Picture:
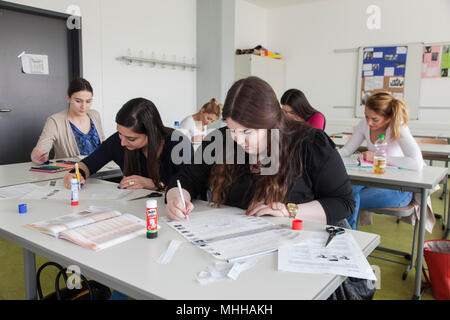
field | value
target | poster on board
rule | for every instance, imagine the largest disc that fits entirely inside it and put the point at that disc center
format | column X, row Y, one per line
column 383, row 69
column 445, row 62
column 431, row 62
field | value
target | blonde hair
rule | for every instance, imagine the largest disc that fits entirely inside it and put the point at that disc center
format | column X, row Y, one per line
column 213, row 107
column 386, row 105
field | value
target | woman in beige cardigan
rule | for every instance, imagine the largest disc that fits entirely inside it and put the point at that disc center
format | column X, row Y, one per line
column 72, row 132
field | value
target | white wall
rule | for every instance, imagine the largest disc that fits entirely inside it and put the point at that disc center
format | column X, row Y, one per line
column 307, row 33
column 251, row 25
column 215, row 49
column 110, row 28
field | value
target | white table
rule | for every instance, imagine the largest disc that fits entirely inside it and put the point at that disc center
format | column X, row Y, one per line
column 416, row 132
column 131, row 267
column 404, row 180
column 19, row 173
column 426, row 148
column 431, row 152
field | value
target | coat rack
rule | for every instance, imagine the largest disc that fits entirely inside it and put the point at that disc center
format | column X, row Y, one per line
column 153, row 62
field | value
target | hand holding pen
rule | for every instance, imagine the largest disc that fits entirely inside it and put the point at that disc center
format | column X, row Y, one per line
column 176, row 208
column 39, row 157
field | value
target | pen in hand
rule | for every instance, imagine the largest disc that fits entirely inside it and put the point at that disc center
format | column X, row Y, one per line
column 180, row 190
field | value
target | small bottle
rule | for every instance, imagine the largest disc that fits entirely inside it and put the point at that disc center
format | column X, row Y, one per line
column 176, row 125
column 152, row 219
column 74, row 192
column 380, row 157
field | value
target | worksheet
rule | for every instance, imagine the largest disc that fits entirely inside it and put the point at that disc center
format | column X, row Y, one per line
column 228, row 234
column 16, row 191
column 342, row 256
column 92, row 190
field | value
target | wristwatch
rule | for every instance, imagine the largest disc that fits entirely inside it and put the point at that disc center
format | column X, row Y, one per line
column 292, row 208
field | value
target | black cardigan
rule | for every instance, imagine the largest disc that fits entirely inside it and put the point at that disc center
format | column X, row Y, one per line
column 112, row 150
column 324, row 179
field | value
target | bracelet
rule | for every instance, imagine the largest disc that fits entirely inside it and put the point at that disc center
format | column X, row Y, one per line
column 292, row 208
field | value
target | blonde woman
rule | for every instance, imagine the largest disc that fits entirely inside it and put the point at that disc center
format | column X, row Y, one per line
column 194, row 127
column 388, row 116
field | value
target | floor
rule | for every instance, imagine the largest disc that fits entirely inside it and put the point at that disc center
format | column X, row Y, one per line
column 399, row 237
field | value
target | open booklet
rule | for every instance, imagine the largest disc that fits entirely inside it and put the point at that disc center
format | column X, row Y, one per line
column 354, row 162
column 93, row 230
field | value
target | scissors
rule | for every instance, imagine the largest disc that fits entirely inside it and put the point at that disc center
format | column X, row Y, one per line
column 333, row 231
column 151, row 195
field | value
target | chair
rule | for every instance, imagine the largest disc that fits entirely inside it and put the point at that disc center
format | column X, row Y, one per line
column 347, row 137
column 432, row 157
column 400, row 212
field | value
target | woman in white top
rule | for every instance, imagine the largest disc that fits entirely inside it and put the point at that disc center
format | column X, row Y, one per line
column 194, row 127
column 388, row 116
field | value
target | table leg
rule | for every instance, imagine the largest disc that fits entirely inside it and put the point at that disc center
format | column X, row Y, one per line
column 29, row 261
column 445, row 215
column 419, row 263
column 448, row 223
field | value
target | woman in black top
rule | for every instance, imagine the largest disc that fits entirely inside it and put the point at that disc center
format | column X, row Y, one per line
column 141, row 147
column 285, row 161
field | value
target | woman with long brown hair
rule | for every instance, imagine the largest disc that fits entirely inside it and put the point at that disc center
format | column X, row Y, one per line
column 141, row 147
column 309, row 172
column 295, row 104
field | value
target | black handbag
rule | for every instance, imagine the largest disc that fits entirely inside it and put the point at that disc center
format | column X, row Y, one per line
column 90, row 289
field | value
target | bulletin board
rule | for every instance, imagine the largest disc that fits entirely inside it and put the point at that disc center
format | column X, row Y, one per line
column 436, row 61
column 395, row 69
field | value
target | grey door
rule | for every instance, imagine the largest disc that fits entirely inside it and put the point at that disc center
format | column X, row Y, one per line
column 26, row 100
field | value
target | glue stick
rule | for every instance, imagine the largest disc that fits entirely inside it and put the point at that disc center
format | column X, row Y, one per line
column 74, row 192
column 152, row 219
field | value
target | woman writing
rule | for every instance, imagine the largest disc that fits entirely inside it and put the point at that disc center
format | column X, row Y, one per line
column 141, row 147
column 388, row 116
column 194, row 127
column 72, row 132
column 311, row 174
column 296, row 106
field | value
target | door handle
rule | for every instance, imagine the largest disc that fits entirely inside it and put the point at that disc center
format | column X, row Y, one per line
column 5, row 110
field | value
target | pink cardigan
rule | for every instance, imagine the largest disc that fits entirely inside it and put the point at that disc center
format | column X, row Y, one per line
column 317, row 120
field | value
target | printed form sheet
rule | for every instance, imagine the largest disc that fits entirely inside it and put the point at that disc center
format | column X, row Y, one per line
column 92, row 190
column 342, row 256
column 230, row 234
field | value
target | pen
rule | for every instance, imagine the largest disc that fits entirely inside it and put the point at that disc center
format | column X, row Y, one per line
column 180, row 190
column 77, row 170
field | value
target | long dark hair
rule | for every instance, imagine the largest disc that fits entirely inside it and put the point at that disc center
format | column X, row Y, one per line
column 252, row 103
column 296, row 99
column 141, row 116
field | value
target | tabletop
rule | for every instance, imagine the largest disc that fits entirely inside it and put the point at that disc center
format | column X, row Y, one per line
column 19, row 173
column 131, row 267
